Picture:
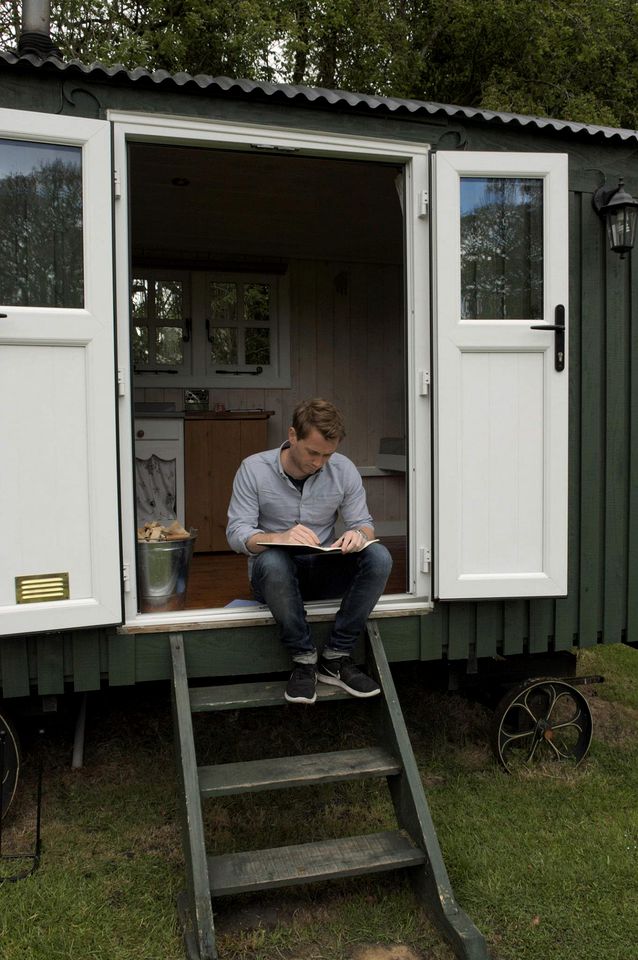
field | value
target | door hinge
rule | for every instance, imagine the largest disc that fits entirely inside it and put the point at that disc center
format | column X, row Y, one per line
column 126, row 577
column 117, row 185
column 424, row 383
column 423, row 204
column 121, row 387
column 425, row 559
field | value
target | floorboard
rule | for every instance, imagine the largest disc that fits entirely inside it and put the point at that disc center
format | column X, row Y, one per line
column 218, row 578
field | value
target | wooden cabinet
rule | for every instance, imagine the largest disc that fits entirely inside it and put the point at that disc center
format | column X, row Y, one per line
column 213, row 449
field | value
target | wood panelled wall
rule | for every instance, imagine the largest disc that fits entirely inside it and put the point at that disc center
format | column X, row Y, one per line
column 347, row 345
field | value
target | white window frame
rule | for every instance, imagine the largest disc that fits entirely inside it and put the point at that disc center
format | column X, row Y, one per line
column 414, row 156
column 144, row 375
column 277, row 374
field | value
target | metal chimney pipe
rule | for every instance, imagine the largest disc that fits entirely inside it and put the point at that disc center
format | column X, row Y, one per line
column 36, row 29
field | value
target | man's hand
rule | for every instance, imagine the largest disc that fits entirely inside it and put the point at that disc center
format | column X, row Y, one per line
column 351, row 542
column 303, row 536
column 299, row 534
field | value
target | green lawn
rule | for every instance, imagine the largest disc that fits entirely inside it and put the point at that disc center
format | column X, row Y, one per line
column 543, row 861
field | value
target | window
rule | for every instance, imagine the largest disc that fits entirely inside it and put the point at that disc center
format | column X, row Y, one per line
column 160, row 329
column 238, row 335
column 41, row 241
column 501, row 248
column 240, row 325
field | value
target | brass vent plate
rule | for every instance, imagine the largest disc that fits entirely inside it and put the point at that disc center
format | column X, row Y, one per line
column 42, row 588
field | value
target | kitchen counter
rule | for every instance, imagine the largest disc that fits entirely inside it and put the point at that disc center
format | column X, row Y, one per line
column 228, row 414
column 203, row 414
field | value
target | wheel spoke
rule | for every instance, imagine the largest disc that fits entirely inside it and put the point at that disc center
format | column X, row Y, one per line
column 524, row 706
column 548, row 689
column 518, row 736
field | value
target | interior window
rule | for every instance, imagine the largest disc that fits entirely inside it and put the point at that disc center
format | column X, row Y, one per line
column 160, row 329
column 241, row 326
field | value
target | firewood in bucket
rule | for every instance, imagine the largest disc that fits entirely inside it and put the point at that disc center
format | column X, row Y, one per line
column 153, row 532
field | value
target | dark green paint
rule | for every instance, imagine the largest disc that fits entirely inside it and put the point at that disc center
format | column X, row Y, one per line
column 602, row 604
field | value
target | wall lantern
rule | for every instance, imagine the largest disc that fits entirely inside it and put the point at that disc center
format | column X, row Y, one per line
column 619, row 210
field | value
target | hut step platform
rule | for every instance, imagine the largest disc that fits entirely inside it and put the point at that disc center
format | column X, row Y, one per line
column 413, row 846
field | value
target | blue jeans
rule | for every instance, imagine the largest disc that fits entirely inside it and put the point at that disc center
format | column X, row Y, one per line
column 283, row 579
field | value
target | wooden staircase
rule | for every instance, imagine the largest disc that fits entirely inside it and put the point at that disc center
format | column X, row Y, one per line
column 413, row 845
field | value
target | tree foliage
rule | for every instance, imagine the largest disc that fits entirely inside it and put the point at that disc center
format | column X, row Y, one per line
column 570, row 59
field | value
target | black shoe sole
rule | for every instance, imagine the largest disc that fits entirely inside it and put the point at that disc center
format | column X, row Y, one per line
column 324, row 678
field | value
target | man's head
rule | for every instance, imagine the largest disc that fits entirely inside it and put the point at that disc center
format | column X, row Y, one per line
column 321, row 415
column 316, row 431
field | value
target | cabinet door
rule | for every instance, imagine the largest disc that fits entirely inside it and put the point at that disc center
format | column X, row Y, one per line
column 159, row 470
column 214, row 450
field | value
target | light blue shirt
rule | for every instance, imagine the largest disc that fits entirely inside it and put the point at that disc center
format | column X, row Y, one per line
column 265, row 500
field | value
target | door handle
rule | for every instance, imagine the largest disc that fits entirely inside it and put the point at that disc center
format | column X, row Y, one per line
column 559, row 336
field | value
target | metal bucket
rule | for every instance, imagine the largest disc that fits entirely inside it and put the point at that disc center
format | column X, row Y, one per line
column 162, row 573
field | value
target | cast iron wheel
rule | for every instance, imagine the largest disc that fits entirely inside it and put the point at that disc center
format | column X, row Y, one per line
column 9, row 763
column 541, row 720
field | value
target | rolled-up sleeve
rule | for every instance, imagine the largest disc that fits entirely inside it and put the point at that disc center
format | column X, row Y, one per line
column 243, row 510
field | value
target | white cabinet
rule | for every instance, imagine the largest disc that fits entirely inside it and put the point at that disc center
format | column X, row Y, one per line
column 159, row 469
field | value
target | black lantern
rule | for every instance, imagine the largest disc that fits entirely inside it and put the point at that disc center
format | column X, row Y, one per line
column 620, row 212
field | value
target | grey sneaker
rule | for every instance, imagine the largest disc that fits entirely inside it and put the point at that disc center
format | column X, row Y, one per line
column 343, row 672
column 302, row 685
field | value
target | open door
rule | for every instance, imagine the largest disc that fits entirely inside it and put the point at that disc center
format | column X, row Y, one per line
column 59, row 563
column 501, row 285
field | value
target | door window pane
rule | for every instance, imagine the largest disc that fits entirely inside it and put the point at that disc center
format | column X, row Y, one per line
column 41, row 215
column 501, row 248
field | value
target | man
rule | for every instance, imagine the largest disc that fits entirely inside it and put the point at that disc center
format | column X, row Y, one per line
column 291, row 496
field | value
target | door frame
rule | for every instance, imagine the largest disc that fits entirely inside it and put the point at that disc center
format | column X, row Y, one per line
column 163, row 129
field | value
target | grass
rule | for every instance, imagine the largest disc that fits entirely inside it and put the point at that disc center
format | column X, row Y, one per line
column 544, row 861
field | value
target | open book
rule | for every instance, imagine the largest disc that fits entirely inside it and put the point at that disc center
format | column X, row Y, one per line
column 308, row 546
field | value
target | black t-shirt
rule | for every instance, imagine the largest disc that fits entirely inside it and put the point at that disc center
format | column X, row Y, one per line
column 298, row 481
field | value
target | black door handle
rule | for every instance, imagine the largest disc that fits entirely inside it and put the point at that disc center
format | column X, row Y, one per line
column 559, row 339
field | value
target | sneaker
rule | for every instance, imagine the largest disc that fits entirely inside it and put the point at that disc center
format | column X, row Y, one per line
column 343, row 672
column 302, row 685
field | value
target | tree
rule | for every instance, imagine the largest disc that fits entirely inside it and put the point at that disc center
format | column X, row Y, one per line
column 570, row 59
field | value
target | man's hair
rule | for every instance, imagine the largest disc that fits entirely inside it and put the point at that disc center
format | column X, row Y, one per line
column 320, row 415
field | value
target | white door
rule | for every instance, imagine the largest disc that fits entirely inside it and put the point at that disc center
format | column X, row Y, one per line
column 501, row 268
column 60, row 555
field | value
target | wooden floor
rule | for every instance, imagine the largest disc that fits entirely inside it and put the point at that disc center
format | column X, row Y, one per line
column 218, row 578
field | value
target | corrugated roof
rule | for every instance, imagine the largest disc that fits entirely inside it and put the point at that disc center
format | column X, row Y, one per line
column 300, row 95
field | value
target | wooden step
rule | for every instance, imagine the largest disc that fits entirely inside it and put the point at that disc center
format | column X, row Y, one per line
column 235, row 696
column 309, row 862
column 281, row 772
